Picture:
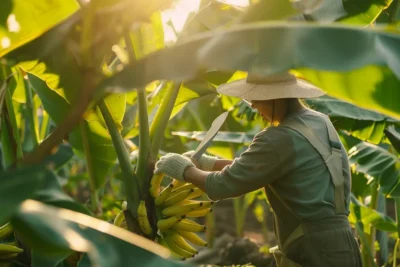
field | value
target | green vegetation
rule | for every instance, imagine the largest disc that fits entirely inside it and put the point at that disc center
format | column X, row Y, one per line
column 91, row 96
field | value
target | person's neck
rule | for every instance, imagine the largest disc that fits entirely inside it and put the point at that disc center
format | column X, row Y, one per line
column 296, row 108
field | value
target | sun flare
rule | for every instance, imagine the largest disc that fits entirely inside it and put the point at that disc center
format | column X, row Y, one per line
column 178, row 15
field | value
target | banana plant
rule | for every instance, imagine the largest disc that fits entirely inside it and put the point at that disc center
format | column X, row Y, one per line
column 63, row 66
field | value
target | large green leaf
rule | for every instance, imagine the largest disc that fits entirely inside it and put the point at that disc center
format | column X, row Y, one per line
column 370, row 216
column 23, row 21
column 364, row 12
column 379, row 164
column 393, row 135
column 210, row 17
column 51, row 193
column 149, row 37
column 370, row 87
column 364, row 124
column 56, row 231
column 258, row 48
column 99, row 141
column 17, row 186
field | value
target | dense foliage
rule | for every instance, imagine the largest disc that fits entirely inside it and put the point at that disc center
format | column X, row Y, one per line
column 91, row 96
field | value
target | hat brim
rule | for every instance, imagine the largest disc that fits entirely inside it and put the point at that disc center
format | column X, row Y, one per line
column 247, row 91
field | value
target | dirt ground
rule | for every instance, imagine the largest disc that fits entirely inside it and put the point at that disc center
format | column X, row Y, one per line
column 230, row 250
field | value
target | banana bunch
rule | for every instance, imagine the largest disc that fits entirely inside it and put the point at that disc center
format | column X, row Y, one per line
column 175, row 205
column 8, row 250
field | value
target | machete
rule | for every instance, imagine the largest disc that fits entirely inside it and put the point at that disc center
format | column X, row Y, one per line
column 211, row 133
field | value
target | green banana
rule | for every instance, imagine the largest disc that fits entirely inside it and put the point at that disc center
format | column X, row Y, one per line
column 166, row 224
column 183, row 188
column 173, row 199
column 155, row 183
column 6, row 230
column 174, row 247
column 193, row 238
column 198, row 212
column 181, row 242
column 159, row 200
column 143, row 219
column 189, row 225
column 9, row 249
column 119, row 218
column 174, row 255
column 8, row 256
column 196, row 193
column 180, row 209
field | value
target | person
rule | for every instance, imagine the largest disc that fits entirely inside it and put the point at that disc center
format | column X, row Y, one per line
column 300, row 162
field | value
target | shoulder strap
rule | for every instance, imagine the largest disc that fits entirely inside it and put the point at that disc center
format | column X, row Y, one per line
column 332, row 155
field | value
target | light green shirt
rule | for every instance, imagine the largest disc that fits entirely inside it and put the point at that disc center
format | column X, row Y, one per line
column 284, row 159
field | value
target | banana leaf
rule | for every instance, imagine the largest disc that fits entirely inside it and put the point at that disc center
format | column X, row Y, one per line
column 22, row 21
column 378, row 163
column 364, row 124
column 51, row 231
column 99, row 141
column 370, row 216
column 393, row 134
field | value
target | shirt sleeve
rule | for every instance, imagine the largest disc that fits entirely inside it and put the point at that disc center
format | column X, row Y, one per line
column 258, row 166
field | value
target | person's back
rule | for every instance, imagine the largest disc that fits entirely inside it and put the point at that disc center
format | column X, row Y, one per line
column 304, row 193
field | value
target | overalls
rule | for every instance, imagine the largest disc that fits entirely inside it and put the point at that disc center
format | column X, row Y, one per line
column 328, row 242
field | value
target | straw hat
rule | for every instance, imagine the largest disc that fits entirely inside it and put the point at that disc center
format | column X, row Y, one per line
column 283, row 85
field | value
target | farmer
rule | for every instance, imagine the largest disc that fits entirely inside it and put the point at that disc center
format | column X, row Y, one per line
column 301, row 163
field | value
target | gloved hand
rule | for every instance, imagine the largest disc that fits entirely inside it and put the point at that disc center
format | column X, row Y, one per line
column 206, row 162
column 173, row 165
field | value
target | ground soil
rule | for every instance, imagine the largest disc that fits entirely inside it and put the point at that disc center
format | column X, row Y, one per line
column 228, row 249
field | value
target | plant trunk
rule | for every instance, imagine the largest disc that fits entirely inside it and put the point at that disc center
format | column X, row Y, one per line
column 130, row 180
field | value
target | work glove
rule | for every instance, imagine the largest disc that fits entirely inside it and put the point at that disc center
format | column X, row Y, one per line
column 173, row 165
column 206, row 163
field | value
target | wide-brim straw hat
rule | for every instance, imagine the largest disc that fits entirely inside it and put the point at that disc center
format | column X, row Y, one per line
column 282, row 85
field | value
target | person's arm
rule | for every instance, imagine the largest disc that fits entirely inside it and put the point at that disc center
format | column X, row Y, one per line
column 196, row 176
column 258, row 166
column 221, row 163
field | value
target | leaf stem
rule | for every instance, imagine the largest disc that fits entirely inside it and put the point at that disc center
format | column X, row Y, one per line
column 130, row 180
column 144, row 140
column 13, row 124
column 94, row 194
column 374, row 204
column 160, row 121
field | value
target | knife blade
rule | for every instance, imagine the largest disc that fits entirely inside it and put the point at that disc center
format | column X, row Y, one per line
column 211, row 133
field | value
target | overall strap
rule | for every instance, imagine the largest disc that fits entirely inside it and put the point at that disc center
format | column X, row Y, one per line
column 332, row 155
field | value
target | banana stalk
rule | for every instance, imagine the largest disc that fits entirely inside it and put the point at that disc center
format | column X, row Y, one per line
column 132, row 188
column 94, row 194
column 144, row 141
column 161, row 119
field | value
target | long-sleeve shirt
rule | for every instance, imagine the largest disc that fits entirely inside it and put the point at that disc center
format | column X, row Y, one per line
column 285, row 160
